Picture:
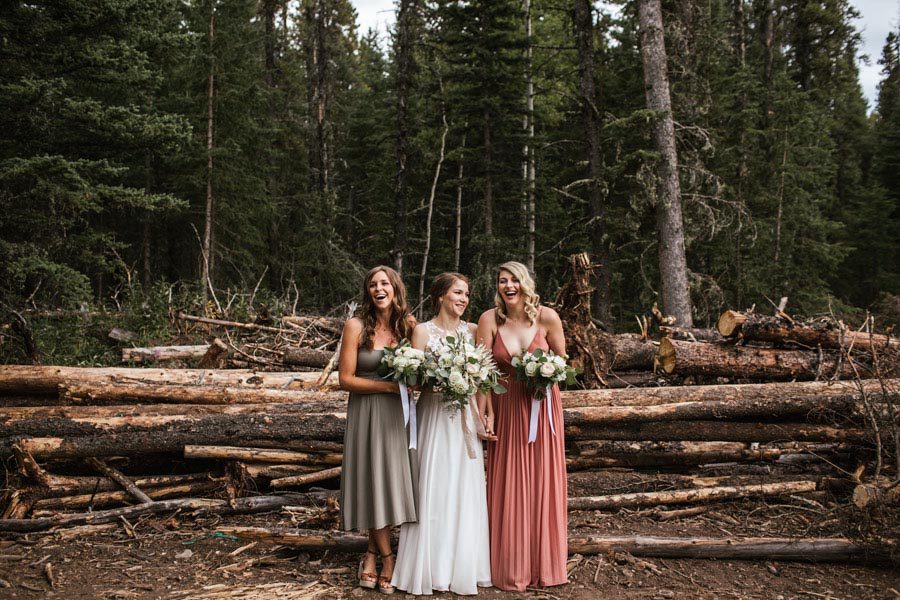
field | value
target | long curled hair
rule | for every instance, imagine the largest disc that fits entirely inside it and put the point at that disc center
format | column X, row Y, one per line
column 399, row 321
column 526, row 288
column 441, row 285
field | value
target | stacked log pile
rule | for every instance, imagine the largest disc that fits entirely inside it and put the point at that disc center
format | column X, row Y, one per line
column 745, row 346
column 223, row 435
column 298, row 342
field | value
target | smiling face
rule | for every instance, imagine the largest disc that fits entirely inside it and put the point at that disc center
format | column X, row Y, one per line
column 509, row 288
column 380, row 290
column 456, row 299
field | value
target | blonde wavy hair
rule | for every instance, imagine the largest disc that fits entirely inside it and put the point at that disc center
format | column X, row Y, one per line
column 526, row 287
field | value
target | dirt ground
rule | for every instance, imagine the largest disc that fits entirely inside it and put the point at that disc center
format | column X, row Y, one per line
column 184, row 557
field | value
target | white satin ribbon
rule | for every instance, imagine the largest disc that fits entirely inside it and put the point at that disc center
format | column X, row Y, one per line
column 409, row 415
column 536, row 412
column 469, row 438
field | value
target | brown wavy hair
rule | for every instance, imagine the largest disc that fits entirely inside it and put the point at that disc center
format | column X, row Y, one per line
column 526, row 288
column 441, row 285
column 400, row 320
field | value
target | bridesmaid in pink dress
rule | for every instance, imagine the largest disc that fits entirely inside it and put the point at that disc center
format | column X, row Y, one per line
column 526, row 482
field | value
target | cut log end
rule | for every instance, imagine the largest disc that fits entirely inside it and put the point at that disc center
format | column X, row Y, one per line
column 730, row 323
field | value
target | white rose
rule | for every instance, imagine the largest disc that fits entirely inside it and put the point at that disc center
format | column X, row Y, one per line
column 531, row 368
column 472, row 368
column 459, row 360
column 559, row 361
column 457, row 382
column 400, row 363
column 516, row 361
column 547, row 369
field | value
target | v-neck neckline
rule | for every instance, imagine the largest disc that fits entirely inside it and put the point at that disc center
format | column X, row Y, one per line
column 526, row 348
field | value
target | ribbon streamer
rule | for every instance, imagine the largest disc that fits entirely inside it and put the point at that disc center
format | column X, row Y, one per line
column 536, row 412
column 409, row 415
column 470, row 439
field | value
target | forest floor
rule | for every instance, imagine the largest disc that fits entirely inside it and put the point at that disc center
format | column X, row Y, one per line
column 182, row 557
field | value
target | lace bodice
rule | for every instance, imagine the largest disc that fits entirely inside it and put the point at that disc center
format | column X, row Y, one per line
column 436, row 335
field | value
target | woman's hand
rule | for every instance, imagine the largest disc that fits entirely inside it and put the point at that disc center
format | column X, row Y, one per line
column 487, row 421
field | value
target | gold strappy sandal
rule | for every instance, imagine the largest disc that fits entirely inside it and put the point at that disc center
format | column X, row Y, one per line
column 367, row 580
column 384, row 583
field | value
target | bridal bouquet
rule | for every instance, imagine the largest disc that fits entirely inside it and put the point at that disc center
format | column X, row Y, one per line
column 540, row 370
column 402, row 363
column 459, row 370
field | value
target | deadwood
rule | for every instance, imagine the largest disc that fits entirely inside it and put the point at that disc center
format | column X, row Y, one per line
column 121, row 393
column 778, row 330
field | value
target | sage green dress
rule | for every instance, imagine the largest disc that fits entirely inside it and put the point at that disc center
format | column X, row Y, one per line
column 377, row 481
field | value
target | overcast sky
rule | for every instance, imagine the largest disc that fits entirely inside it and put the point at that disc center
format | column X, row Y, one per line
column 877, row 19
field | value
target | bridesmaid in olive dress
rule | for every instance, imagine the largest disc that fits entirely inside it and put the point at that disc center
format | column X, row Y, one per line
column 377, row 476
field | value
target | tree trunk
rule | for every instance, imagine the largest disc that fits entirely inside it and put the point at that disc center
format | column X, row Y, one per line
column 457, row 242
column 713, row 431
column 674, row 289
column 206, row 272
column 710, row 494
column 406, row 68
column 149, row 393
column 309, row 539
column 202, row 506
column 720, row 360
column 306, row 357
column 28, row 379
column 605, row 454
column 528, row 166
column 434, row 182
column 778, row 330
column 782, row 549
column 164, row 353
column 103, row 499
column 748, row 392
column 488, row 177
column 119, row 478
column 584, row 27
column 770, row 408
column 299, row 480
column 265, row 455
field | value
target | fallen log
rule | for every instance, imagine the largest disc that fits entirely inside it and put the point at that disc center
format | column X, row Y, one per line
column 778, row 330
column 770, row 408
column 74, row 486
column 164, row 353
column 870, row 495
column 705, row 494
column 265, row 455
column 232, row 324
column 305, row 479
column 267, row 472
column 734, row 548
column 601, row 453
column 33, row 379
column 798, row 549
column 102, row 499
column 202, row 506
column 306, row 357
column 119, row 393
column 720, row 360
column 747, row 392
column 210, row 430
column 715, row 431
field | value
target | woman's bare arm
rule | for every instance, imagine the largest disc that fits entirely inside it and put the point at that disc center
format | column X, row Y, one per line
column 552, row 324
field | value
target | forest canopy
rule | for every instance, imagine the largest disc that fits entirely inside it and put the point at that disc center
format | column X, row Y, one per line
column 293, row 151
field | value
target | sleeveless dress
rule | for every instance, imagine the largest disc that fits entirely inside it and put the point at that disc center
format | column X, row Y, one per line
column 526, row 485
column 377, row 479
column 448, row 548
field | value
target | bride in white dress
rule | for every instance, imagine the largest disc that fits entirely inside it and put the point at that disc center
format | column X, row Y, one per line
column 448, row 548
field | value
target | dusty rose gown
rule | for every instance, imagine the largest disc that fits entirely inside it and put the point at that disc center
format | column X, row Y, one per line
column 526, row 486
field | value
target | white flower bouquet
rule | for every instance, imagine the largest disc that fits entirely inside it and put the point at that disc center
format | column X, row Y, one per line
column 540, row 370
column 403, row 363
column 459, row 370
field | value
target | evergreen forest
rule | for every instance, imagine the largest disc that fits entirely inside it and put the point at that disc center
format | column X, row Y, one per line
column 272, row 151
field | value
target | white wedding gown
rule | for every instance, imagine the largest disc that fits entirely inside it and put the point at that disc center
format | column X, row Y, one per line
column 448, row 548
